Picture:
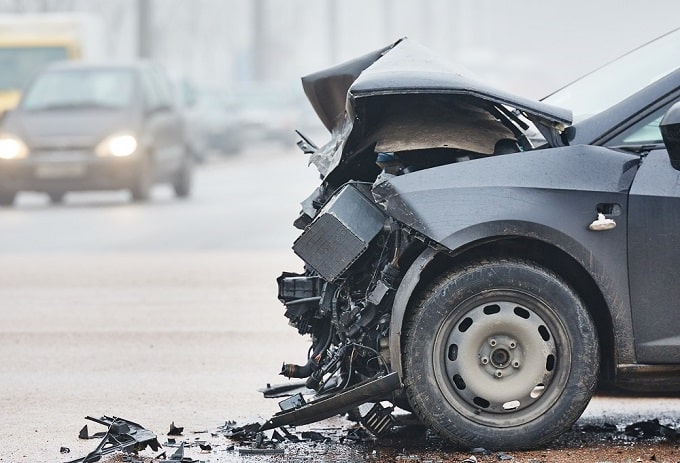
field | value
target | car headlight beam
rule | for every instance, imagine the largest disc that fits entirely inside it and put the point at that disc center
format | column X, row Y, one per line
column 12, row 148
column 118, row 145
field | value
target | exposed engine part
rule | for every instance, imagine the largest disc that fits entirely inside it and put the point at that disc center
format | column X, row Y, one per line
column 341, row 232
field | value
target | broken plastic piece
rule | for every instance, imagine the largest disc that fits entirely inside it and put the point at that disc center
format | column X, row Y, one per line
column 290, row 436
column 240, row 433
column 313, row 436
column 290, row 403
column 378, row 420
column 650, row 428
column 178, row 457
column 84, row 434
column 336, row 404
column 175, row 430
column 356, row 435
column 122, row 435
column 64, row 450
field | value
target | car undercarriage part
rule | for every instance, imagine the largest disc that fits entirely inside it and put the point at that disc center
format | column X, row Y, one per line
column 325, row 407
column 122, row 435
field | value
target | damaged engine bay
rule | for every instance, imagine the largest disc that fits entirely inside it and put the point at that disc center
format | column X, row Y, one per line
column 364, row 250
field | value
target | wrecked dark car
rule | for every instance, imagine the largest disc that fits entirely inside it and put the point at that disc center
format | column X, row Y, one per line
column 486, row 260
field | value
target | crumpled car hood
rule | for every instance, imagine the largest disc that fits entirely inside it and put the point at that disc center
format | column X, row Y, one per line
column 399, row 87
column 406, row 67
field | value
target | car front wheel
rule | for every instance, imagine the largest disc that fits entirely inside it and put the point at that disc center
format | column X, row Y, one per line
column 500, row 354
column 182, row 181
column 141, row 188
column 7, row 197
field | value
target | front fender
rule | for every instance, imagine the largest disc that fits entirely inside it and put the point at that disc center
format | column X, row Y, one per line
column 549, row 196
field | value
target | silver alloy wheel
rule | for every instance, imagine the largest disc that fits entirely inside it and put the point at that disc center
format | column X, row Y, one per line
column 502, row 358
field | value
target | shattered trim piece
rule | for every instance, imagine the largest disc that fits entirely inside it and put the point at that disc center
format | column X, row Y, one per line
column 339, row 403
column 122, row 435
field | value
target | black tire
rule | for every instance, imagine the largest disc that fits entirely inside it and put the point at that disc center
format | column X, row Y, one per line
column 500, row 354
column 141, row 189
column 56, row 198
column 183, row 180
column 7, row 197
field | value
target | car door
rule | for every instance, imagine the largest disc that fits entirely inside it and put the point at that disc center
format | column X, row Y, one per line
column 653, row 243
column 164, row 126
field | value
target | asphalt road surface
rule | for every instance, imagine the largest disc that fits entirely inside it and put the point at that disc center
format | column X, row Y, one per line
column 167, row 311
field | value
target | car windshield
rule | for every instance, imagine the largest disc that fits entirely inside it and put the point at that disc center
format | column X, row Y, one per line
column 19, row 64
column 108, row 88
column 619, row 79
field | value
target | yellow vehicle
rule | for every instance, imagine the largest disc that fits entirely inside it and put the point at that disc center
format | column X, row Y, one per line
column 28, row 42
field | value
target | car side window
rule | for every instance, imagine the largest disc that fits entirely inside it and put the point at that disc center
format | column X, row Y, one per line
column 163, row 88
column 644, row 132
column 151, row 97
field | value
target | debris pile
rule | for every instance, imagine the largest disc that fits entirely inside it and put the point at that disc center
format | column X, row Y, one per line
column 130, row 438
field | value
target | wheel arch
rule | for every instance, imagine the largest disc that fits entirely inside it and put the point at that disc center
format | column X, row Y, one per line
column 433, row 262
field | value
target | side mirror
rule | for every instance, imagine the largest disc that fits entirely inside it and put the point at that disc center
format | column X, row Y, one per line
column 670, row 131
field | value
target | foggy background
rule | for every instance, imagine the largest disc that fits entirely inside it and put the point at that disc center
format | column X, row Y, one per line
column 530, row 47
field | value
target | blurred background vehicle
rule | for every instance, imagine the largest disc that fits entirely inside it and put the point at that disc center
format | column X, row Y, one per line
column 269, row 112
column 212, row 122
column 30, row 42
column 94, row 127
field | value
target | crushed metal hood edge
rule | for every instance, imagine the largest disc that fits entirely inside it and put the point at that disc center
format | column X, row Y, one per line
column 406, row 67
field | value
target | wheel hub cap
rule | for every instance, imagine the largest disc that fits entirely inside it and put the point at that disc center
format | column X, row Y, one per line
column 500, row 358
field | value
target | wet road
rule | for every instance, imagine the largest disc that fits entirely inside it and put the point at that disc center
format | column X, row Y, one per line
column 167, row 312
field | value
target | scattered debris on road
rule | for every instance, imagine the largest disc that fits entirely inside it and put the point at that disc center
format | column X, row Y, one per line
column 404, row 441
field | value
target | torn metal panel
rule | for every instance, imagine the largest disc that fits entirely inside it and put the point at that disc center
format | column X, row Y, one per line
column 122, row 435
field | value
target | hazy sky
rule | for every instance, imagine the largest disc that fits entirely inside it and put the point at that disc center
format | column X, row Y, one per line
column 526, row 46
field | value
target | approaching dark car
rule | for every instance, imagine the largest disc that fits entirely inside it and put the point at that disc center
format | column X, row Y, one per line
column 94, row 127
column 482, row 259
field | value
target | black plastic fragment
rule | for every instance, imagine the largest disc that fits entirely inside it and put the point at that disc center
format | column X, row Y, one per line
column 357, row 435
column 84, row 434
column 64, row 450
column 175, row 430
column 313, row 436
column 123, row 435
column 205, row 447
column 276, row 436
column 290, row 436
column 285, row 390
column 337, row 404
column 240, row 433
column 295, row 401
column 178, row 457
column 378, row 420
column 649, row 429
